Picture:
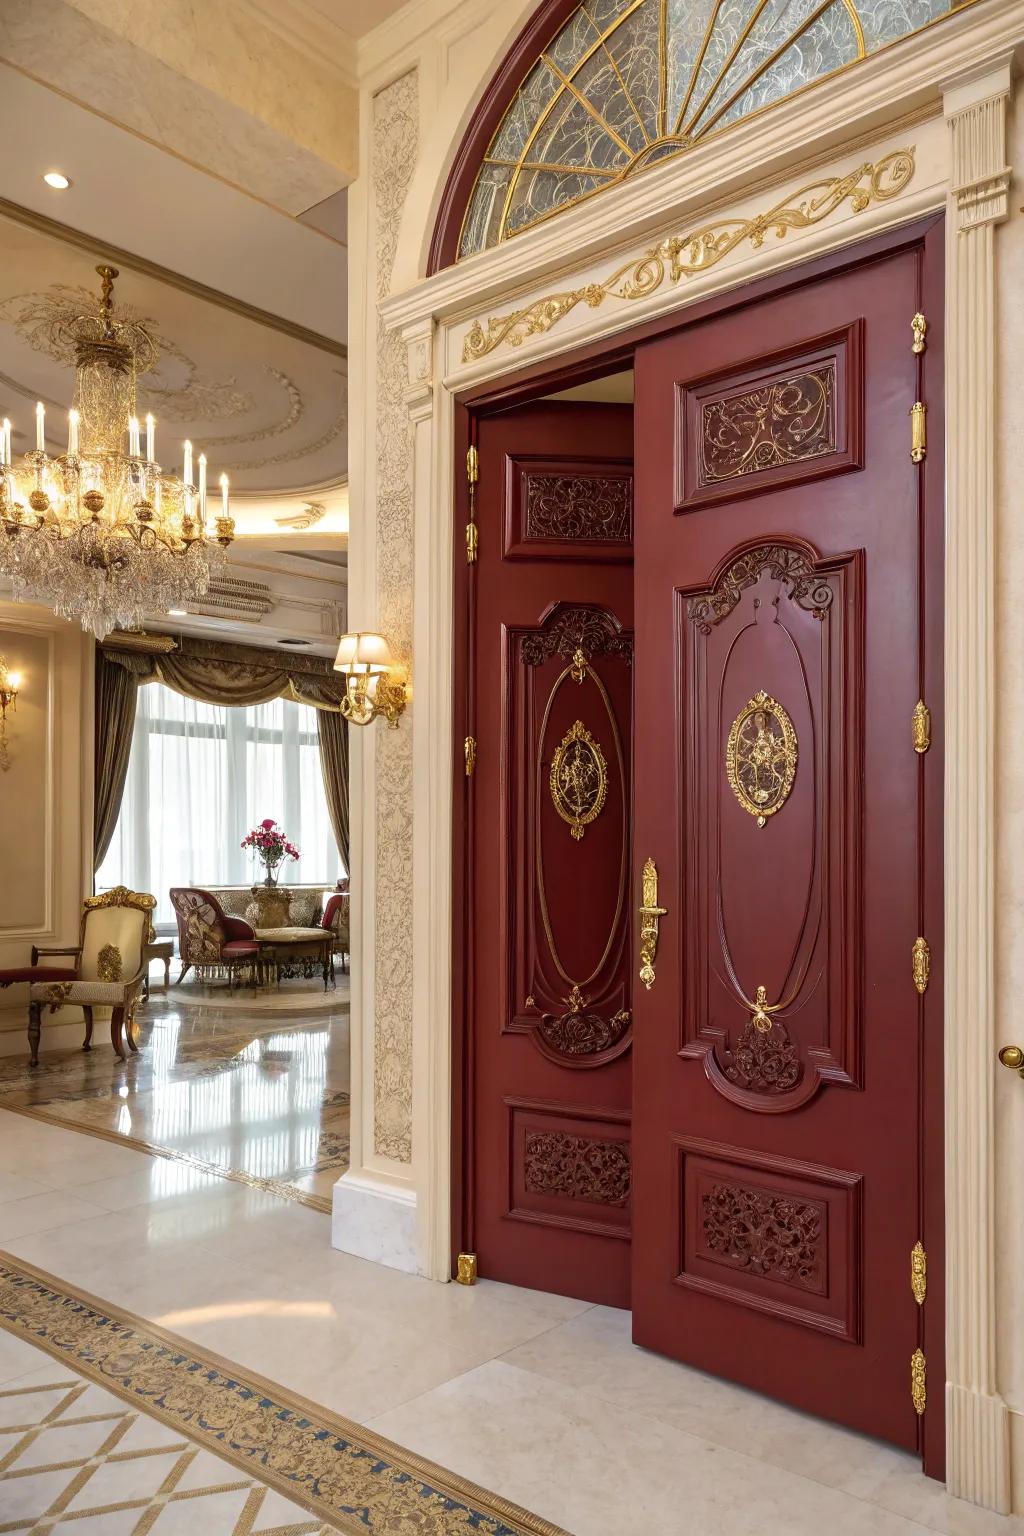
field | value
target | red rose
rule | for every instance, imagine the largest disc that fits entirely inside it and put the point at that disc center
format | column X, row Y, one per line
column 266, row 825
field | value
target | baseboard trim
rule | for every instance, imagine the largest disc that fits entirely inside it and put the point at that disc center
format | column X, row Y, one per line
column 375, row 1220
column 978, row 1448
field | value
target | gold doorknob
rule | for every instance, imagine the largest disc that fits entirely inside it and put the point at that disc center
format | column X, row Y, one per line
column 650, row 915
column 1013, row 1057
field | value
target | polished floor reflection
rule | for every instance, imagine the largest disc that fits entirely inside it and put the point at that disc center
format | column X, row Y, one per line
column 252, row 1093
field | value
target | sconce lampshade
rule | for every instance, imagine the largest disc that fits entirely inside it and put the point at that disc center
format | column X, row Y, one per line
column 363, row 654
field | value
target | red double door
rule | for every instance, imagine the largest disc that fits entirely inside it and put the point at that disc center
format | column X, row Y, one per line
column 705, row 1080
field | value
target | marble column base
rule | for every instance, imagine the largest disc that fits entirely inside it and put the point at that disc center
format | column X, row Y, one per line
column 376, row 1221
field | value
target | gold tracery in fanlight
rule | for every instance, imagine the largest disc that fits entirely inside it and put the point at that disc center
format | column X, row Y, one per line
column 627, row 83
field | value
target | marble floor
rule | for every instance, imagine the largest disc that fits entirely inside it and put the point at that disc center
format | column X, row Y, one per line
column 255, row 1088
column 541, row 1399
column 75, row 1458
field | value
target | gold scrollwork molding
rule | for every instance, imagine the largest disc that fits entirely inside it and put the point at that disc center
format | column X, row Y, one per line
column 700, row 249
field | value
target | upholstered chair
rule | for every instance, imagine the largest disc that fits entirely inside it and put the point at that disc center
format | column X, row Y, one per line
column 208, row 939
column 336, row 918
column 110, row 966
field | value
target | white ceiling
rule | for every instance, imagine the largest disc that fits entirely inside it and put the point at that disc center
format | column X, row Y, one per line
column 250, row 307
column 267, row 408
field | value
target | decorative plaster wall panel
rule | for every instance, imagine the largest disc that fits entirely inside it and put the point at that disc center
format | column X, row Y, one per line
column 395, row 127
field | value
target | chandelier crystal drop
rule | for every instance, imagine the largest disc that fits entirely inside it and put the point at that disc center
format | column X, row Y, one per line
column 102, row 533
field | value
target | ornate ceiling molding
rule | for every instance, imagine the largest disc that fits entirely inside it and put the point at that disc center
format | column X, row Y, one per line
column 698, row 250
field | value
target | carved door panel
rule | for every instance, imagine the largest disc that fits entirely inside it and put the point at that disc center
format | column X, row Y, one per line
column 777, row 1075
column 550, row 998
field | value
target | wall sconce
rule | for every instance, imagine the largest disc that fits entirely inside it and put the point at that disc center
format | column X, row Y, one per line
column 10, row 682
column 373, row 686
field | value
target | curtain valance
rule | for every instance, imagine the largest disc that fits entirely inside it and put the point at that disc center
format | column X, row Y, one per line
column 220, row 672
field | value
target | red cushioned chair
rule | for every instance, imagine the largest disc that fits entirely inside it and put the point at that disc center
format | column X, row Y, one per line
column 208, row 939
column 337, row 920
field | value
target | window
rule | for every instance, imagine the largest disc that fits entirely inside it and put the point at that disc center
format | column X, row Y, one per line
column 199, row 777
column 626, row 83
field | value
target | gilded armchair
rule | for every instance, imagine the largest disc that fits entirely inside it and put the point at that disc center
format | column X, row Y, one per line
column 109, row 968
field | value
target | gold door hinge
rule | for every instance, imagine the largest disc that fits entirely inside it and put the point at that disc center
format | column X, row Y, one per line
column 470, row 756
column 919, row 326
column 919, row 1272
column 466, row 1272
column 472, row 476
column 922, row 964
column 921, row 726
column 919, row 1381
column 918, row 432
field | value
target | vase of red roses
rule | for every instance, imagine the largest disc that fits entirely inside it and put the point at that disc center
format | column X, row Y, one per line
column 270, row 846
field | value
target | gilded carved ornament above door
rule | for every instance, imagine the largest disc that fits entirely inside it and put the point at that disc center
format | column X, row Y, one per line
column 699, row 249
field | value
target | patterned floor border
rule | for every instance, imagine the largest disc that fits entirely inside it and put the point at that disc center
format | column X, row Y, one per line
column 271, row 1186
column 345, row 1475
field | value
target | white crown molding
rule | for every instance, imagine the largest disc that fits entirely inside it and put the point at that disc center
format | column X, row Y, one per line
column 310, row 32
column 876, row 96
column 394, row 43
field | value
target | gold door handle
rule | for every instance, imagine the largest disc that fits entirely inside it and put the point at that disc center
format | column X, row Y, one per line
column 650, row 916
column 1013, row 1057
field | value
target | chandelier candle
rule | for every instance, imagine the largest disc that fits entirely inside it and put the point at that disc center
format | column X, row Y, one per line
column 101, row 535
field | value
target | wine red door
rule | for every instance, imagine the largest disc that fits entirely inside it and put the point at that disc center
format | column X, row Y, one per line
column 549, row 1001
column 781, row 648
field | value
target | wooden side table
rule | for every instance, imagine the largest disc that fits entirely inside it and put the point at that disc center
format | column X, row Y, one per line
column 162, row 949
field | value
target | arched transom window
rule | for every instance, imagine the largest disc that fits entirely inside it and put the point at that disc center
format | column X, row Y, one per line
column 626, row 83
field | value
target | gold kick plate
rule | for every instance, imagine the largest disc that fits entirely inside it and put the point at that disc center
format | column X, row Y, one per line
column 470, row 756
column 919, row 1381
column 918, row 432
column 465, row 1274
column 921, row 959
column 921, row 726
column 919, row 1273
column 650, row 916
column 472, row 476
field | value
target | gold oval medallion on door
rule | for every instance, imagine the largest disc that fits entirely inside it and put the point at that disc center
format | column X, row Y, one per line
column 761, row 756
column 578, row 779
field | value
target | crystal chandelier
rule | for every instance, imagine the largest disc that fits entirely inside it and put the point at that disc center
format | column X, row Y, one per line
column 102, row 533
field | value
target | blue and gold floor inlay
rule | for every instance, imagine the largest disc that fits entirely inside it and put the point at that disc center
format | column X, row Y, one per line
column 346, row 1476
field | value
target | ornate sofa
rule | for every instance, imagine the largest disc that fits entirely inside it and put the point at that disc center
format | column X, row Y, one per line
column 210, row 940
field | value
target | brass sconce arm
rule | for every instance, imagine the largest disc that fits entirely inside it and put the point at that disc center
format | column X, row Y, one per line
column 374, row 687
column 10, row 683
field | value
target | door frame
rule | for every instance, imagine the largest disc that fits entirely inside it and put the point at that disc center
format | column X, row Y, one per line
column 925, row 238
column 947, row 95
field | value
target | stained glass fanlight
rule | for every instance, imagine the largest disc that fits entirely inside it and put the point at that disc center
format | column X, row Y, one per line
column 626, row 83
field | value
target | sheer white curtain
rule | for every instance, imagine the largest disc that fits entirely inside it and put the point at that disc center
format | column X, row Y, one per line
column 199, row 776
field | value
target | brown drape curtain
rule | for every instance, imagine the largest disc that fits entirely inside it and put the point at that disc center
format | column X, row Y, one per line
column 116, row 690
column 332, row 730
column 218, row 672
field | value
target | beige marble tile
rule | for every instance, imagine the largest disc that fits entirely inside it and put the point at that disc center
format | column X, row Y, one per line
column 38, row 1213
column 598, row 1471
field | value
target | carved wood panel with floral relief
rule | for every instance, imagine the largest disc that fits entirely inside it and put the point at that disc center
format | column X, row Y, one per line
column 559, row 506
column 782, row 420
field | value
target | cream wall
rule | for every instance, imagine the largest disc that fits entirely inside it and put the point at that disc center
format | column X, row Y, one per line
column 45, row 798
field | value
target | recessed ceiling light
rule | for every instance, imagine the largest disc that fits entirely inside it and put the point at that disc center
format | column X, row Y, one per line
column 57, row 180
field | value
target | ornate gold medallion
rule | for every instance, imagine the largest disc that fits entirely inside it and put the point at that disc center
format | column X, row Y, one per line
column 760, row 757
column 579, row 779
